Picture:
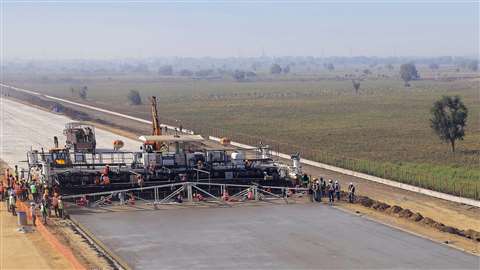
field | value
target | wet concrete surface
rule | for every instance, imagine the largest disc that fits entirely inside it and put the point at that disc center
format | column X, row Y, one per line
column 266, row 237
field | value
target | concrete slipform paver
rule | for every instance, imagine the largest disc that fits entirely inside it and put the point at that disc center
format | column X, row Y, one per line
column 299, row 236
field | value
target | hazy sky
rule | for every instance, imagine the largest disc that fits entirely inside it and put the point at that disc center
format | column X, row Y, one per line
column 80, row 29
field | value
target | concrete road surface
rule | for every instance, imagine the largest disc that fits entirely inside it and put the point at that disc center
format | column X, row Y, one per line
column 266, row 237
column 23, row 127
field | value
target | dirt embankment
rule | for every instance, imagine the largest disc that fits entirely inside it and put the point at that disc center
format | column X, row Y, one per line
column 400, row 212
column 414, row 222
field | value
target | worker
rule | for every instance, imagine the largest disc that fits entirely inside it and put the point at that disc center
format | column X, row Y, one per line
column 55, row 204
column 33, row 214
column 121, row 198
column 140, row 180
column 18, row 190
column 44, row 211
column 34, row 191
column 310, row 187
column 331, row 190
column 106, row 180
column 290, row 192
column 1, row 191
column 24, row 191
column 47, row 202
column 131, row 200
column 60, row 207
column 250, row 194
column 7, row 198
column 305, row 180
column 317, row 190
column 351, row 193
column 337, row 190
column 12, row 204
column 106, row 170
column 198, row 197
column 179, row 198
column 225, row 195
column 83, row 201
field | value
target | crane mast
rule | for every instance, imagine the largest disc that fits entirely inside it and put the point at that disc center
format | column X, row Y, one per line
column 155, row 124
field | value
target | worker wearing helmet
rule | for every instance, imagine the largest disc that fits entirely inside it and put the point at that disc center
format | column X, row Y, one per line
column 351, row 193
column 337, row 190
column 331, row 190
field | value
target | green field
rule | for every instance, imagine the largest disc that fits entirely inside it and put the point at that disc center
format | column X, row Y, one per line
column 384, row 130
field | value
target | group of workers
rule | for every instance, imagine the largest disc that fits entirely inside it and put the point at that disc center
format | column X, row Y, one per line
column 319, row 188
column 14, row 187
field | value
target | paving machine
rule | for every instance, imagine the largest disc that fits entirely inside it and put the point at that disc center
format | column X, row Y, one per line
column 80, row 167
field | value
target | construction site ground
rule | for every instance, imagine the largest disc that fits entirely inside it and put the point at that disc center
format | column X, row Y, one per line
column 29, row 250
column 36, row 133
column 300, row 236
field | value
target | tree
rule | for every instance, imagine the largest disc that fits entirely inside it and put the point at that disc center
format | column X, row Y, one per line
column 275, row 69
column 286, row 69
column 134, row 97
column 204, row 72
column 166, row 70
column 239, row 75
column 408, row 72
column 356, row 86
column 329, row 66
column 390, row 67
column 83, row 92
column 473, row 65
column 251, row 74
column 433, row 66
column 186, row 72
column 72, row 90
column 449, row 118
column 367, row 71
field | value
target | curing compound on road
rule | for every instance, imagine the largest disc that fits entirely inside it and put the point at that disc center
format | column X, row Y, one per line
column 387, row 182
column 282, row 236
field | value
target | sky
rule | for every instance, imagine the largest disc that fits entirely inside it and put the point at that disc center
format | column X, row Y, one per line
column 92, row 30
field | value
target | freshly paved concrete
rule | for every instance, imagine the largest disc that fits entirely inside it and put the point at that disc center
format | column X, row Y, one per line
column 23, row 127
column 266, row 237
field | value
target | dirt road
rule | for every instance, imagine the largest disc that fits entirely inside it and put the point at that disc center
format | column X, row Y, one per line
column 25, row 250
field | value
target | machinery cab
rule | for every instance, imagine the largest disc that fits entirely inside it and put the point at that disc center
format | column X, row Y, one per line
column 80, row 137
column 59, row 157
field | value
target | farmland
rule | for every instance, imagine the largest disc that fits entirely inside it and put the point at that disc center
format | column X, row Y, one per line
column 383, row 130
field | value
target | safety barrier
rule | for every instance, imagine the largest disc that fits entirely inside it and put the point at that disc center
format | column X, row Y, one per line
column 166, row 193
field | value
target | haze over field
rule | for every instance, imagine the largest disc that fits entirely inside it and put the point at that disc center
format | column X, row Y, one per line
column 137, row 30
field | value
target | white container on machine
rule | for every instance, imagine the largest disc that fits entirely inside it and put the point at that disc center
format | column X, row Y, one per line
column 238, row 158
